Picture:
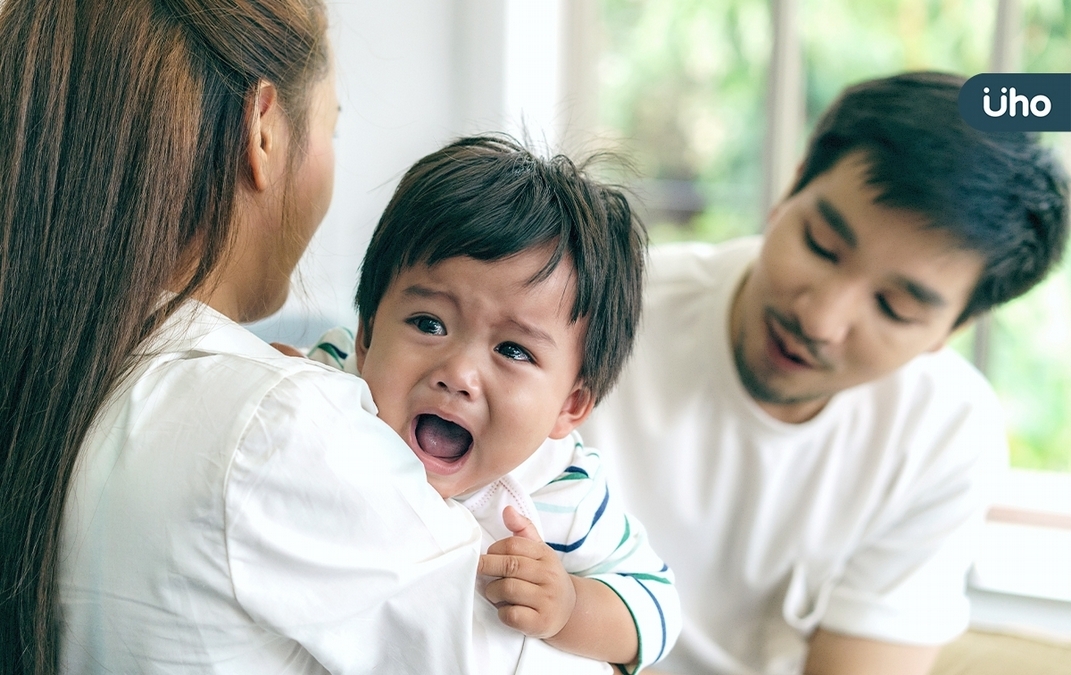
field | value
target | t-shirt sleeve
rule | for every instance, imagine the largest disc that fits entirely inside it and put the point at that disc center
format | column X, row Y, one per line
column 906, row 582
column 586, row 524
column 336, row 541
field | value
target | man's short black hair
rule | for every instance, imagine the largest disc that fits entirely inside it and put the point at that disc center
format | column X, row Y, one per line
column 489, row 198
column 1000, row 194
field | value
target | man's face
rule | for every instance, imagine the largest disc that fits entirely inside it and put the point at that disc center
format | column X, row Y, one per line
column 843, row 292
column 475, row 367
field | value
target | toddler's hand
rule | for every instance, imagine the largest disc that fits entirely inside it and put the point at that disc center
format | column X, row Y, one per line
column 287, row 349
column 534, row 593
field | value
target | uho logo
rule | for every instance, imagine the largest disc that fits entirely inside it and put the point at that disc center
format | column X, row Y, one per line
column 1017, row 102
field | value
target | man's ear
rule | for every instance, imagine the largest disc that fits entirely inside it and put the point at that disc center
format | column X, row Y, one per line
column 951, row 334
column 776, row 209
column 578, row 405
column 940, row 344
column 360, row 345
column 265, row 135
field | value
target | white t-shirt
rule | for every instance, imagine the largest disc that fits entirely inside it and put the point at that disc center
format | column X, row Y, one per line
column 229, row 515
column 861, row 520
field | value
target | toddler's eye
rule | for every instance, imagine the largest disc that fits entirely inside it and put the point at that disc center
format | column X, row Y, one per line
column 428, row 325
column 514, row 352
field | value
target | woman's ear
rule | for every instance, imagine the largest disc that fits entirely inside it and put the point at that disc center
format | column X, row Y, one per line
column 265, row 136
column 578, row 405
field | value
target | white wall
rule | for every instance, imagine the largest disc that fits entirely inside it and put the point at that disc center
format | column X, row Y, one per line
column 411, row 75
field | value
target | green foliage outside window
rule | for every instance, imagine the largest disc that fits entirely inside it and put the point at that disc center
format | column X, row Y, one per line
column 683, row 85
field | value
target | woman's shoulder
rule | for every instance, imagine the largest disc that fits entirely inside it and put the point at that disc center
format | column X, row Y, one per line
column 205, row 356
column 265, row 483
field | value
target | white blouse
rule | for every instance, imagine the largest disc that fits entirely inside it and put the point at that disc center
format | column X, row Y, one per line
column 237, row 511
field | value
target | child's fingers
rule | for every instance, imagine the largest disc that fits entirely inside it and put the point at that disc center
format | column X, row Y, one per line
column 513, row 566
column 287, row 349
column 519, row 525
column 510, row 591
column 520, row 547
column 521, row 618
column 533, row 609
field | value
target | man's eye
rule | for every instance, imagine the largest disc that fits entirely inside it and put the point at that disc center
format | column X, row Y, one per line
column 428, row 325
column 514, row 352
column 817, row 248
column 887, row 310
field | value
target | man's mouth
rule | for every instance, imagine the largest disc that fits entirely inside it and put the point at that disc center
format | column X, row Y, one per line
column 799, row 353
column 442, row 439
column 785, row 352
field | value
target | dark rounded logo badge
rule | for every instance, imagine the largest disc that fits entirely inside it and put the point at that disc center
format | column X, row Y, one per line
column 1017, row 102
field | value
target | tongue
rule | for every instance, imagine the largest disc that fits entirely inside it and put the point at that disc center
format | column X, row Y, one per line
column 442, row 439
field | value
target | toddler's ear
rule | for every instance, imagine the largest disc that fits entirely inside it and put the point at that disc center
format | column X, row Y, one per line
column 360, row 346
column 575, row 410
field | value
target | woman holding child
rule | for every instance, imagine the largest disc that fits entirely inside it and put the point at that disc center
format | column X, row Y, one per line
column 174, row 494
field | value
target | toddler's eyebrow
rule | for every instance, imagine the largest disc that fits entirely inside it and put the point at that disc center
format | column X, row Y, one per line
column 534, row 333
column 418, row 291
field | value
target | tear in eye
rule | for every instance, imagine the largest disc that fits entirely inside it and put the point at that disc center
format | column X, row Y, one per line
column 513, row 352
column 429, row 325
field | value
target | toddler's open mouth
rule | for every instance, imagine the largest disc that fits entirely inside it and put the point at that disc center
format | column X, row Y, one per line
column 442, row 439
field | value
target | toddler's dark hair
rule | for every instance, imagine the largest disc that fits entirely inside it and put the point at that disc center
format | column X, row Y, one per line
column 489, row 198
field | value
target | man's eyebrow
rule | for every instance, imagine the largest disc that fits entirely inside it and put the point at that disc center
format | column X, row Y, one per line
column 837, row 222
column 923, row 294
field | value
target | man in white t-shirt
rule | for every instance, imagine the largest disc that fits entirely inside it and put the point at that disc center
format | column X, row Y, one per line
column 806, row 455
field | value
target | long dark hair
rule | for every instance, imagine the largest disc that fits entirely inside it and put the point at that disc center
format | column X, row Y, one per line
column 123, row 126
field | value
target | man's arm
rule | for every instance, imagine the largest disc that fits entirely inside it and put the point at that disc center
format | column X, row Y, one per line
column 838, row 654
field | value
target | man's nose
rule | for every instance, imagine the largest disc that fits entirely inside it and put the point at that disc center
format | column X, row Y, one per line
column 827, row 311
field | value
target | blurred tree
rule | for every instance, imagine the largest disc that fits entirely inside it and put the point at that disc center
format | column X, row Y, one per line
column 682, row 87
